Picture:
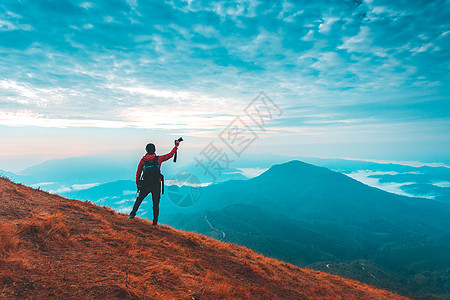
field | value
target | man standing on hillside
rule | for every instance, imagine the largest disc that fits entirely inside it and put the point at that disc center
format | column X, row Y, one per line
column 150, row 182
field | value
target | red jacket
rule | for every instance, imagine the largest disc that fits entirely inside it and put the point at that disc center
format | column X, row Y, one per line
column 150, row 157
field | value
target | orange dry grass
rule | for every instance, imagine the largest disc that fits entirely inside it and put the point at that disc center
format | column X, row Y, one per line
column 8, row 238
column 52, row 247
column 43, row 229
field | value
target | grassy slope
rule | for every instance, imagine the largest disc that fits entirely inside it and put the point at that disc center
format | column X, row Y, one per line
column 55, row 247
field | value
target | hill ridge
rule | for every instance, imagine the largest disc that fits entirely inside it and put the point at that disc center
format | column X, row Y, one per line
column 56, row 247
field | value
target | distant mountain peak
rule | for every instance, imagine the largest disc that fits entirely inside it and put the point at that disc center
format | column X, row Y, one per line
column 294, row 168
column 300, row 165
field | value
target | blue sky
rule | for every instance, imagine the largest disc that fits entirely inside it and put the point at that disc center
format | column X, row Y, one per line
column 361, row 79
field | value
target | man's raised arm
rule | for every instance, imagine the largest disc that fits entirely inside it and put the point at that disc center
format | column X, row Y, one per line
column 169, row 155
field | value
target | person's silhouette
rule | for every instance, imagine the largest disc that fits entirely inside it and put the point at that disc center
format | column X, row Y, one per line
column 150, row 181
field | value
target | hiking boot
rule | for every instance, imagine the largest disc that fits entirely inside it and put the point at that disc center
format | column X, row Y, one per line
column 131, row 216
column 155, row 223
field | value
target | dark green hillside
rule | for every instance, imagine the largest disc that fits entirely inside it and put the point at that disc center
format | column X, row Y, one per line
column 440, row 193
column 420, row 267
column 306, row 192
column 315, row 217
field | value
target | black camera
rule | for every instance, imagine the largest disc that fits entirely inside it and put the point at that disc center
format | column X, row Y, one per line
column 175, row 155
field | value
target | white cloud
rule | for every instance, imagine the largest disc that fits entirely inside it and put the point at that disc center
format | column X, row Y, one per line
column 11, row 86
column 167, row 94
column 108, row 19
column 358, row 43
column 409, row 163
column 79, row 187
column 363, row 43
column 425, row 48
column 309, row 36
column 325, row 27
column 252, row 172
column 185, row 96
column 145, row 107
column 206, row 30
column 343, row 121
column 61, row 190
column 86, row 5
column 289, row 12
column 167, row 29
column 442, row 184
column 224, row 9
column 28, row 118
column 291, row 18
column 6, row 25
column 326, row 61
column 391, row 187
column 126, row 193
column 37, row 185
column 20, row 93
column 13, row 15
column 376, row 13
column 378, row 10
column 132, row 3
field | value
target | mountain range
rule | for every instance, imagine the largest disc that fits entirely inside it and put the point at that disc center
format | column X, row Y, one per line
column 63, row 175
column 53, row 247
column 314, row 217
column 317, row 218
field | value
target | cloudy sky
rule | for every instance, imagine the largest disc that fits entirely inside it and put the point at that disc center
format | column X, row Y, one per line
column 361, row 79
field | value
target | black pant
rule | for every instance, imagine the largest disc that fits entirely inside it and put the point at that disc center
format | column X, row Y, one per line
column 156, row 196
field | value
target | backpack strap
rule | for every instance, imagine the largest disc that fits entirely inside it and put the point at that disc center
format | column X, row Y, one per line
column 154, row 162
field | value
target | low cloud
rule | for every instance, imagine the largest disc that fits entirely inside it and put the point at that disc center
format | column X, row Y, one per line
column 365, row 177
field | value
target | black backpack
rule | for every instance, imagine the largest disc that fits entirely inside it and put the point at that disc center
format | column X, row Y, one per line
column 151, row 176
